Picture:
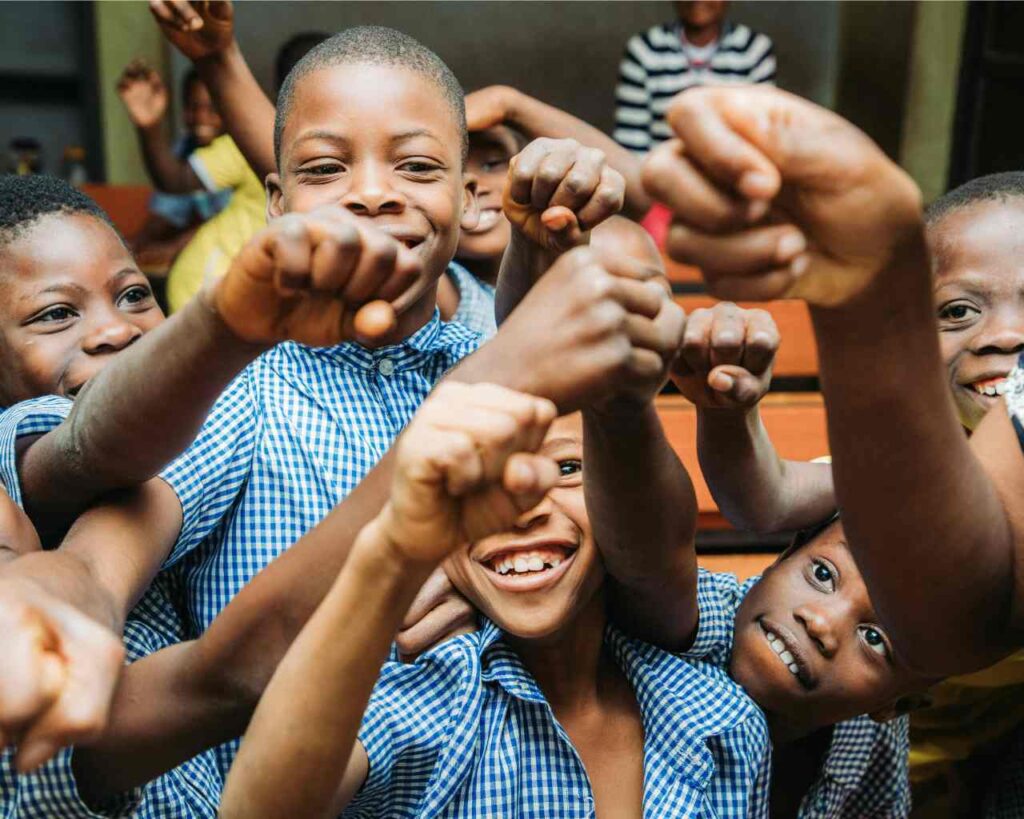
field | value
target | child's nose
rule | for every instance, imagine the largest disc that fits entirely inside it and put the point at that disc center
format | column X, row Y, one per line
column 370, row 193
column 1005, row 335
column 110, row 335
column 819, row 628
column 532, row 517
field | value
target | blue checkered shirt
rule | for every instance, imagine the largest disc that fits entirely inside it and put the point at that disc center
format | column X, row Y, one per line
column 866, row 771
column 476, row 301
column 466, row 731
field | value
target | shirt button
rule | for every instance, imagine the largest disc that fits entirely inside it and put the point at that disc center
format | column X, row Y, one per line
column 386, row 366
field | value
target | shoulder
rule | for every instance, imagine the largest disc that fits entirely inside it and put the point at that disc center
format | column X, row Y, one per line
column 871, row 759
column 743, row 38
column 36, row 416
column 719, row 595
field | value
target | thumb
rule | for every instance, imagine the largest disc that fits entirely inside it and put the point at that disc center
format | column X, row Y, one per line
column 562, row 222
column 735, row 383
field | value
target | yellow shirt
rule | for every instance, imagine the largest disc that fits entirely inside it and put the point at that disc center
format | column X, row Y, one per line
column 219, row 165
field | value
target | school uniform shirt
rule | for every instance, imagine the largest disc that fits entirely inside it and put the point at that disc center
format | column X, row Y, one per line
column 659, row 63
column 219, row 166
column 865, row 771
column 466, row 732
column 476, row 301
column 190, row 791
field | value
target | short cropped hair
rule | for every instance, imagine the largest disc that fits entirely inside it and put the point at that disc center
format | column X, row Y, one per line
column 995, row 187
column 26, row 199
column 294, row 50
column 373, row 45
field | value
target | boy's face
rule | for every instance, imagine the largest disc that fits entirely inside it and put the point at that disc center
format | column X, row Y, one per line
column 978, row 254
column 489, row 155
column 71, row 298
column 808, row 648
column 535, row 579
column 383, row 142
column 701, row 13
column 201, row 116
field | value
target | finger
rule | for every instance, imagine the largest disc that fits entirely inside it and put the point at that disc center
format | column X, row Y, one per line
column 735, row 385
column 726, row 156
column 407, row 283
column 163, row 12
column 551, row 170
column 451, row 618
column 728, row 332
column 638, row 297
column 528, row 477
column 740, row 253
column 290, row 248
column 374, row 321
column 671, row 178
column 645, row 364
column 523, row 169
column 335, row 255
column 762, row 342
column 579, row 183
column 22, row 695
column 188, row 19
column 431, row 594
column 695, row 350
column 495, row 435
column 607, row 200
column 773, row 284
column 376, row 264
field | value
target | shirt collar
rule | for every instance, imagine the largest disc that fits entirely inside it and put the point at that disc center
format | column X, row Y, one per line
column 852, row 749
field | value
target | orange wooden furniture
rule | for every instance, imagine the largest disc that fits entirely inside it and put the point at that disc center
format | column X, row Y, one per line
column 798, row 352
column 795, row 422
column 126, row 205
column 741, row 565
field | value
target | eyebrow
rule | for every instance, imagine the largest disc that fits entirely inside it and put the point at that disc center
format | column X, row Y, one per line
column 76, row 288
column 327, row 136
column 405, row 136
column 554, row 443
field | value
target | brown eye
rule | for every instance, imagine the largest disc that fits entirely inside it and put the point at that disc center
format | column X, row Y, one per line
column 569, row 466
column 958, row 312
column 874, row 640
column 823, row 576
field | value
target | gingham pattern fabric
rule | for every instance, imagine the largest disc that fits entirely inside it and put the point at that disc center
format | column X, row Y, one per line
column 466, row 732
column 1014, row 397
column 476, row 301
column 866, row 772
column 191, row 791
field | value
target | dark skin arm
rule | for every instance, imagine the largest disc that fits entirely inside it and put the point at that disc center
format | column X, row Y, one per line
column 935, row 522
column 204, row 33
column 17, row 535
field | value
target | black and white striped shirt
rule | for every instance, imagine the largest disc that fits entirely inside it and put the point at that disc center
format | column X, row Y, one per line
column 656, row 67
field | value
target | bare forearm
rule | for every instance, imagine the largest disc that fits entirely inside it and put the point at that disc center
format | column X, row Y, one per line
column 135, row 416
column 538, row 119
column 521, row 265
column 248, row 114
column 168, row 172
column 927, row 527
column 643, row 512
column 752, row 485
column 205, row 691
column 67, row 578
column 301, row 738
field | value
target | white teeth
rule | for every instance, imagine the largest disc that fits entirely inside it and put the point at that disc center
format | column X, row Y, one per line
column 521, row 564
column 1002, row 387
column 535, row 564
column 793, row 668
column 786, row 657
column 556, row 562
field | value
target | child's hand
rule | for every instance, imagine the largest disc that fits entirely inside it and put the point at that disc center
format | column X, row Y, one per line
column 318, row 278
column 58, row 676
column 437, row 614
column 595, row 328
column 775, row 197
column 725, row 361
column 466, row 468
column 489, row 107
column 143, row 93
column 198, row 29
column 558, row 191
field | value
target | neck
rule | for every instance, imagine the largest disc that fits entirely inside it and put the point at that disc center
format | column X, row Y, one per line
column 569, row 665
column 790, row 732
column 412, row 319
column 702, row 35
column 484, row 269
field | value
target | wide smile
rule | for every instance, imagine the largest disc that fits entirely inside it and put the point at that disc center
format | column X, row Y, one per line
column 785, row 646
column 990, row 387
column 489, row 219
column 528, row 568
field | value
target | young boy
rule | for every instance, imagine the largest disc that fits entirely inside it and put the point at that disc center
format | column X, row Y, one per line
column 285, row 436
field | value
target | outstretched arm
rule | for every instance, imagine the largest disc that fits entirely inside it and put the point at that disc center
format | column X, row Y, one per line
column 204, row 32
column 935, row 523
column 504, row 105
column 724, row 368
column 145, row 98
column 460, row 475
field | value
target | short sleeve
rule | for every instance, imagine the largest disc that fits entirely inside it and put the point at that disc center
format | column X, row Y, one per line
column 1014, row 397
column 632, row 100
column 211, row 473
column 718, row 597
column 34, row 417
column 220, row 164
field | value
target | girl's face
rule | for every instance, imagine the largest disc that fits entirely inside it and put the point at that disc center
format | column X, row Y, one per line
column 72, row 298
column 489, row 154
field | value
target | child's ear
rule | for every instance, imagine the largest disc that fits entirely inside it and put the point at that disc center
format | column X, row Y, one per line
column 902, row 706
column 275, row 196
column 470, row 204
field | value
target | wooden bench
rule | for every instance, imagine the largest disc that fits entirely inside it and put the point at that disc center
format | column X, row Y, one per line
column 741, row 565
column 795, row 422
column 126, row 205
column 798, row 352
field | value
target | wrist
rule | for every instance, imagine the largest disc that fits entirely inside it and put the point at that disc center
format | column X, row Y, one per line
column 377, row 553
column 219, row 59
column 205, row 313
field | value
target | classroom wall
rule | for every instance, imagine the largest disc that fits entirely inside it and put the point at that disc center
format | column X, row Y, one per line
column 566, row 53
